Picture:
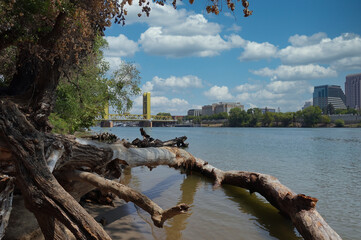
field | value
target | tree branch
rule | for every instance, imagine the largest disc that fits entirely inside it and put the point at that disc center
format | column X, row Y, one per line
column 159, row 216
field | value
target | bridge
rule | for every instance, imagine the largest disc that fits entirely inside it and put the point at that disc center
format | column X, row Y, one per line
column 145, row 119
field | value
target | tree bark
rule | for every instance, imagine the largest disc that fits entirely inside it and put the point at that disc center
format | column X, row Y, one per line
column 6, row 197
column 36, row 156
column 42, row 193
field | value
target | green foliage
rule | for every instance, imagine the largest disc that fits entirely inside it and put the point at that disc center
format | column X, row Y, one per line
column 196, row 119
column 60, row 125
column 163, row 114
column 340, row 123
column 7, row 65
column 122, row 85
column 286, row 118
column 255, row 117
column 346, row 111
column 83, row 94
column 267, row 119
column 311, row 116
column 325, row 119
column 330, row 109
column 217, row 116
column 238, row 118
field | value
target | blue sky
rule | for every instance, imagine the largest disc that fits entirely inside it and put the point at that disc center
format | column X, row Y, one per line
column 188, row 58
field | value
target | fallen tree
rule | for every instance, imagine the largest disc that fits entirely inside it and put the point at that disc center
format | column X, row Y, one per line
column 80, row 164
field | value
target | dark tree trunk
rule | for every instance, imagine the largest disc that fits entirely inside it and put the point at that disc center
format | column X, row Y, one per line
column 38, row 156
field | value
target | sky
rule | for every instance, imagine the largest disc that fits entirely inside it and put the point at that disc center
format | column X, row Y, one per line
column 188, row 58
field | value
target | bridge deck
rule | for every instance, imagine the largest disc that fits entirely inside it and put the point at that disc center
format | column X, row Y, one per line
column 139, row 117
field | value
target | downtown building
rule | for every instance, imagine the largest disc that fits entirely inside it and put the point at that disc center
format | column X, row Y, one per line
column 194, row 112
column 329, row 94
column 353, row 91
column 215, row 108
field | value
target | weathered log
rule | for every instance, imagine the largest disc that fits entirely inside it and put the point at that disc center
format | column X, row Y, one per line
column 301, row 209
column 151, row 142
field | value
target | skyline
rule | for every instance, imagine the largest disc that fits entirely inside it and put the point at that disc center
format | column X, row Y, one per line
column 188, row 58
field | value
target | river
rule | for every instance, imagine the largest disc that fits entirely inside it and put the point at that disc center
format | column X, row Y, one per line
column 321, row 162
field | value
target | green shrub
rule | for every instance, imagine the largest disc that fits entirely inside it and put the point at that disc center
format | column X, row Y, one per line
column 340, row 123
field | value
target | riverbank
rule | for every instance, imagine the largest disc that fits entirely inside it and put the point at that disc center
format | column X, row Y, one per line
column 23, row 224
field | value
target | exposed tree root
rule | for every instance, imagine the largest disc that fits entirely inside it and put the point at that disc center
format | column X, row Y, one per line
column 36, row 156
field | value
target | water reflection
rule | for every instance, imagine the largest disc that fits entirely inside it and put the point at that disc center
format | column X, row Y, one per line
column 264, row 214
column 176, row 225
column 261, row 213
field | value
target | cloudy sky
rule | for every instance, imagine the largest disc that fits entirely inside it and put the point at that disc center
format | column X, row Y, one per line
column 274, row 58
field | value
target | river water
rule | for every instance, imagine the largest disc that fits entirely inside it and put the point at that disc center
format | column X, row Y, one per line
column 320, row 162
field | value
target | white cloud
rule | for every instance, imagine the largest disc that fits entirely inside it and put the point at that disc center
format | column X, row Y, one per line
column 325, row 51
column 164, row 101
column 188, row 81
column 260, row 98
column 257, row 51
column 120, row 46
column 114, row 62
column 303, row 40
column 291, row 73
column 293, row 87
column 155, row 41
column 234, row 28
column 147, row 87
column 157, row 16
column 218, row 93
column 247, row 87
column 160, row 85
column 175, row 106
column 289, row 95
column 350, row 63
column 179, row 33
column 193, row 25
column 341, row 53
column 280, row 86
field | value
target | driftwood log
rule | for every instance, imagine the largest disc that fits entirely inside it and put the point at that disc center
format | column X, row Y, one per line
column 54, row 171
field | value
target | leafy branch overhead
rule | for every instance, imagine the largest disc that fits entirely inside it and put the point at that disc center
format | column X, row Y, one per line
column 84, row 91
column 213, row 6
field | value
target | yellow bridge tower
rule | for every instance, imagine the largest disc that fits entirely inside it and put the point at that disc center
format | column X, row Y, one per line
column 146, row 105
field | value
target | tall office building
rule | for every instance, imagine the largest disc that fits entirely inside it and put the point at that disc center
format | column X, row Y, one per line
column 329, row 94
column 353, row 91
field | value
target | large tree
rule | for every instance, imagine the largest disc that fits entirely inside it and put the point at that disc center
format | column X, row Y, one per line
column 47, row 39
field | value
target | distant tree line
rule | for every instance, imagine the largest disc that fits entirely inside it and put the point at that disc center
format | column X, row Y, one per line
column 199, row 119
column 253, row 117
